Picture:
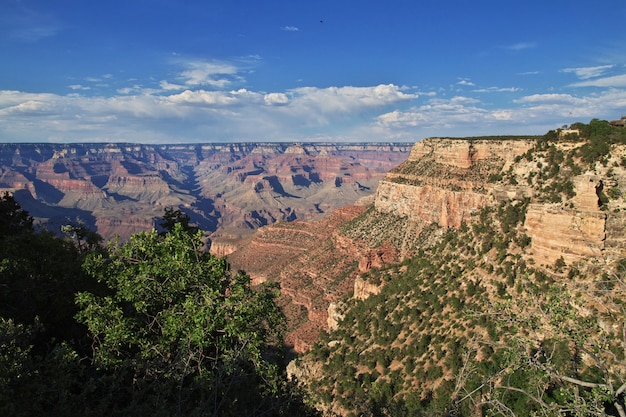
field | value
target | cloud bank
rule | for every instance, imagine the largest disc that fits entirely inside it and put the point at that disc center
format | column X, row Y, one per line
column 206, row 102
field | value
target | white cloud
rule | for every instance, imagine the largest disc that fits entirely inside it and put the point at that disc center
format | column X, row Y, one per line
column 135, row 89
column 438, row 112
column 144, row 115
column 505, row 115
column 167, row 86
column 214, row 74
column 347, row 99
column 381, row 112
column 533, row 114
column 203, row 98
column 79, row 87
column 29, row 107
column 614, row 81
column 466, row 82
column 290, row 28
column 497, row 90
column 560, row 99
column 585, row 73
column 276, row 99
column 412, row 118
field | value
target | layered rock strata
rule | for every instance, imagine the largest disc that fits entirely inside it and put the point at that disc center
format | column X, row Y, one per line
column 444, row 183
column 227, row 189
column 447, row 181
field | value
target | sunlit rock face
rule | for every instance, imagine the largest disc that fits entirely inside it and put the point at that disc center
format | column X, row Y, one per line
column 443, row 182
column 446, row 181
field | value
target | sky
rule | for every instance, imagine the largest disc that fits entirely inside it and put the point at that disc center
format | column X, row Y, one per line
column 190, row 71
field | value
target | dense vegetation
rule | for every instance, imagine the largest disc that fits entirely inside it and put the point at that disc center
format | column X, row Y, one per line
column 154, row 326
column 469, row 325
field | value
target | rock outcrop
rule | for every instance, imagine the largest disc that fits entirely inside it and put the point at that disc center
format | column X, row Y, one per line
column 314, row 264
column 447, row 181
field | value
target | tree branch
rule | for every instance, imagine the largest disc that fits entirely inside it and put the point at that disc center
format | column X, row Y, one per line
column 581, row 383
column 532, row 397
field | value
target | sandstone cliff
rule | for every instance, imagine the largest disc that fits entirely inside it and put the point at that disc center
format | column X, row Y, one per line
column 447, row 181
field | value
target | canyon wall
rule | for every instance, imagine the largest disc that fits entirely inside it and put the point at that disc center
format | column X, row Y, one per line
column 447, row 181
column 443, row 183
column 227, row 189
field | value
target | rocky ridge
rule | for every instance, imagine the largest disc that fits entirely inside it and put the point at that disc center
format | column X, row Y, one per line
column 447, row 181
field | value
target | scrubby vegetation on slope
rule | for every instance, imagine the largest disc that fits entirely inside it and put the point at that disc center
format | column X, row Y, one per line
column 470, row 325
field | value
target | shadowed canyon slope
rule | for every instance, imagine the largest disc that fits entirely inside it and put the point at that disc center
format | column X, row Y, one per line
column 120, row 189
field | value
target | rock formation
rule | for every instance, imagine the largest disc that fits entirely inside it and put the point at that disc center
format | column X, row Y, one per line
column 445, row 183
column 227, row 189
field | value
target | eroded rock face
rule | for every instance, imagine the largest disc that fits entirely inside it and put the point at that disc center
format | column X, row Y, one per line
column 463, row 153
column 429, row 204
column 571, row 234
column 363, row 289
column 444, row 182
column 314, row 264
column 231, row 189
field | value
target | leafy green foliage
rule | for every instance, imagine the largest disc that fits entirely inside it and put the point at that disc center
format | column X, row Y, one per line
column 171, row 217
column 600, row 137
column 13, row 219
column 193, row 335
column 36, row 382
column 84, row 238
column 164, row 329
column 39, row 275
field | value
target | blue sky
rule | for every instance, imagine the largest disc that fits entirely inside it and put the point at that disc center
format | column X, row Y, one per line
column 165, row 71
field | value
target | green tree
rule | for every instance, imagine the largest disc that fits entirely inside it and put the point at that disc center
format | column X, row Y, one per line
column 40, row 342
column 36, row 382
column 172, row 217
column 39, row 275
column 181, row 333
column 13, row 219
column 558, row 361
column 84, row 238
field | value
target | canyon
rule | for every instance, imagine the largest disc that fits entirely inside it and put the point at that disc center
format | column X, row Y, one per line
column 444, row 183
column 454, row 281
column 316, row 218
column 228, row 190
